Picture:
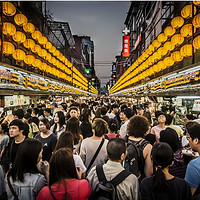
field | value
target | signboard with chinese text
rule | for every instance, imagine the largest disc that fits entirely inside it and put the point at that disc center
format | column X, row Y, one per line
column 126, row 46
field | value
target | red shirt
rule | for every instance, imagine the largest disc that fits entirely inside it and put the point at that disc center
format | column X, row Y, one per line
column 111, row 136
column 76, row 190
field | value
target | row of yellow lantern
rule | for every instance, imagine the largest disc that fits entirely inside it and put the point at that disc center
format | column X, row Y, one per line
column 21, row 20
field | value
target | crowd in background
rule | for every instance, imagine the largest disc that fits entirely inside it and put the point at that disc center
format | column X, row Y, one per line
column 58, row 151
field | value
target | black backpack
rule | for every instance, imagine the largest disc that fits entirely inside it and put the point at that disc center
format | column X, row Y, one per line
column 106, row 190
column 134, row 161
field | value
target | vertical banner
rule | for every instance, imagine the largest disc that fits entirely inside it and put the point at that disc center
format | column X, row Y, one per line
column 126, row 46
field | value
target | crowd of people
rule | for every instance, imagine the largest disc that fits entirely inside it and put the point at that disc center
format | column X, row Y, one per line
column 100, row 149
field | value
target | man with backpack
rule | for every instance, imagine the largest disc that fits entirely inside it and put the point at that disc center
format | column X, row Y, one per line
column 111, row 181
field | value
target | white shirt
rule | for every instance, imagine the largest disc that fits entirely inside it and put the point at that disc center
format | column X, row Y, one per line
column 123, row 129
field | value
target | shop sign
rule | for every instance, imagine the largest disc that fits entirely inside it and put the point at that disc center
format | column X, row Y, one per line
column 196, row 106
column 4, row 74
column 137, row 42
column 126, row 46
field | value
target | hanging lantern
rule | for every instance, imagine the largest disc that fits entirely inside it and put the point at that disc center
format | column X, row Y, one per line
column 156, row 43
column 162, row 37
column 20, row 19
column 52, row 49
column 169, row 31
column 8, row 29
column 48, row 57
column 19, row 55
column 186, row 30
column 36, row 49
column 36, row 35
column 8, row 48
column 42, row 40
column 53, row 60
column 29, row 44
column 196, row 42
column 177, row 39
column 56, row 52
column 176, row 56
column 48, row 45
column 155, row 68
column 37, row 63
column 8, row 9
column 169, row 46
column 196, row 21
column 162, row 51
column 186, row 50
column 29, row 59
column 197, row 3
column 19, row 37
column 156, row 56
column 42, row 53
column 177, row 22
column 168, row 61
column 147, row 51
column 186, row 12
column 151, row 48
column 29, row 28
column 43, row 66
column 161, row 65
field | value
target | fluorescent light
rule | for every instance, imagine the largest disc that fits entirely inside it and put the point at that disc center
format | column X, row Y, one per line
column 188, row 97
column 189, row 70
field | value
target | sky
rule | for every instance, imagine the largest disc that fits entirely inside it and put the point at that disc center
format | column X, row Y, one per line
column 102, row 21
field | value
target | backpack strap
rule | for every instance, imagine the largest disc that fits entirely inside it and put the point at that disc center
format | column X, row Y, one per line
column 106, row 137
column 100, row 173
column 120, row 177
column 11, row 189
column 117, row 136
column 51, row 193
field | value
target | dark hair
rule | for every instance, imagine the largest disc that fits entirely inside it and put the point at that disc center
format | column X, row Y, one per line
column 115, row 148
column 61, row 118
column 114, row 106
column 5, row 128
column 162, row 156
column 86, row 112
column 74, row 128
column 66, row 140
column 41, row 112
column 27, row 116
column 27, row 156
column 112, row 125
column 100, row 127
column 73, row 108
column 170, row 136
column 35, row 111
column 61, row 166
column 104, row 110
column 138, row 126
column 190, row 124
column 194, row 131
column 46, row 123
column 124, row 106
column 19, row 113
column 48, row 110
column 161, row 113
column 98, row 113
column 128, row 112
column 19, row 123
column 150, row 138
column 169, row 119
column 29, row 110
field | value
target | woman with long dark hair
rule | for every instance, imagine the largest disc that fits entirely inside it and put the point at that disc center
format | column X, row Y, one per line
column 59, row 124
column 24, row 179
column 163, row 185
column 63, row 179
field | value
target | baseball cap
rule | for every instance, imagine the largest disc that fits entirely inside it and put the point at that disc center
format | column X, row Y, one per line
column 54, row 104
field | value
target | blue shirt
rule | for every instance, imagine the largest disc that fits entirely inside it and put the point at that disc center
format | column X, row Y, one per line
column 192, row 175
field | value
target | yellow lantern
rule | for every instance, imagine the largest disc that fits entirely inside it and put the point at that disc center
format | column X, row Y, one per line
column 29, row 28
column 8, row 48
column 161, row 65
column 42, row 53
column 36, row 35
column 196, row 21
column 155, row 68
column 186, row 30
column 186, row 12
column 19, row 55
column 151, row 48
column 147, row 51
column 29, row 44
column 156, row 43
column 36, row 49
column 48, row 57
column 37, row 63
column 29, row 59
column 8, row 29
column 20, row 19
column 52, row 49
column 177, row 22
column 169, row 31
column 19, row 37
column 186, row 50
column 196, row 42
column 168, row 61
column 169, row 46
column 43, row 66
column 8, row 9
column 56, row 52
column 53, row 60
column 177, row 39
column 176, row 56
column 162, row 51
column 42, row 40
column 156, row 56
column 197, row 3
column 162, row 37
column 48, row 45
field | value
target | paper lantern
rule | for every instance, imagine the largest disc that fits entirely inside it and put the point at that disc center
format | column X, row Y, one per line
column 48, row 45
column 161, row 65
column 177, row 22
column 37, row 63
column 186, row 50
column 42, row 40
column 162, row 37
column 48, row 57
column 197, row 3
column 56, row 53
column 36, row 35
column 20, row 19
column 186, row 30
column 169, row 31
column 156, row 56
column 176, row 56
column 19, row 55
column 29, row 28
column 43, row 66
column 52, row 49
column 169, row 46
column 196, row 21
column 19, row 37
column 186, row 12
column 8, row 48
column 196, row 42
column 29, row 59
column 168, row 61
column 53, row 60
column 155, row 68
column 162, row 51
column 156, row 43
column 177, row 39
column 8, row 29
column 8, row 9
column 29, row 44
column 36, row 49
